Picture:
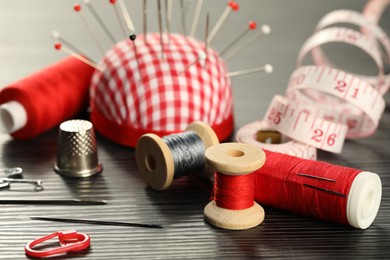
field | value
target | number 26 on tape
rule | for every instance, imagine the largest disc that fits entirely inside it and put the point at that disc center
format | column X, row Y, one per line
column 318, row 136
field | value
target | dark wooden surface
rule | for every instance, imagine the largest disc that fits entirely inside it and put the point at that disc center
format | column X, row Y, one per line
column 26, row 46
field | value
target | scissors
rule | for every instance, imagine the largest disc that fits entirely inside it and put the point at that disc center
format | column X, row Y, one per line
column 5, row 182
column 14, row 172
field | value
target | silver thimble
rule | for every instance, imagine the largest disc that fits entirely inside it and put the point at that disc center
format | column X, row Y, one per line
column 77, row 154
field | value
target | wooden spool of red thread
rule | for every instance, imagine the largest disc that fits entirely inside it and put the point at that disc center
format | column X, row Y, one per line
column 233, row 206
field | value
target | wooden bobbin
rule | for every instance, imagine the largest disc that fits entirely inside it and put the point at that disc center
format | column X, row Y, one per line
column 264, row 136
column 155, row 160
column 234, row 159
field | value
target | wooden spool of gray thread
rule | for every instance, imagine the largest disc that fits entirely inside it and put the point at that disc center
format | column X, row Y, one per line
column 158, row 163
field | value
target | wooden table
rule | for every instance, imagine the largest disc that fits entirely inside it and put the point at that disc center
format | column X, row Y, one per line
column 26, row 46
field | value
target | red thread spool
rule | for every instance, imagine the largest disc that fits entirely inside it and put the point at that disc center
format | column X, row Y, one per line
column 233, row 206
column 317, row 189
column 42, row 100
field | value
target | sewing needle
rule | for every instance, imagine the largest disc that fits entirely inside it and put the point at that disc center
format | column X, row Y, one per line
column 97, row 222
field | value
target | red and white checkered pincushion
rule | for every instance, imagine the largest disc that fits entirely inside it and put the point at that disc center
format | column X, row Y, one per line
column 143, row 89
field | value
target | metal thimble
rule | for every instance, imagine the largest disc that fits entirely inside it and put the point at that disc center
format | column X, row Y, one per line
column 77, row 153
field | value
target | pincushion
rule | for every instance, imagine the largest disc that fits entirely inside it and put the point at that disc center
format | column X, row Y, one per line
column 146, row 86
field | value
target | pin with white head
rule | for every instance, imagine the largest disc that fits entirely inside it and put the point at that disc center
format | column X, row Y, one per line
column 266, row 68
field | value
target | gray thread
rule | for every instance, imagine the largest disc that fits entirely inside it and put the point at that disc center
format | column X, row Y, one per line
column 187, row 151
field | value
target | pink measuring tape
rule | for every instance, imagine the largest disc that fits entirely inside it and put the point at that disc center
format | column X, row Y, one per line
column 70, row 241
column 324, row 105
column 374, row 8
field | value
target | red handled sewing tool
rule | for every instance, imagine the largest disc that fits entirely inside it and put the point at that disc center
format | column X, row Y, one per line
column 70, row 241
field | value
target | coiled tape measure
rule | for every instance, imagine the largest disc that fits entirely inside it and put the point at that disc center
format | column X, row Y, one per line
column 323, row 105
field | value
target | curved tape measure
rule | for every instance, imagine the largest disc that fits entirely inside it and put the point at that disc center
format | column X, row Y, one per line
column 367, row 40
column 324, row 105
column 374, row 8
column 250, row 134
column 358, row 104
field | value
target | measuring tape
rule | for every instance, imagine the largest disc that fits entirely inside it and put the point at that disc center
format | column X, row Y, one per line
column 374, row 8
column 359, row 105
column 367, row 40
column 297, row 122
column 323, row 105
column 248, row 134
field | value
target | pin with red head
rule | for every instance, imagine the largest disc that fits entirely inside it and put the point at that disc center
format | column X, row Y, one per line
column 231, row 6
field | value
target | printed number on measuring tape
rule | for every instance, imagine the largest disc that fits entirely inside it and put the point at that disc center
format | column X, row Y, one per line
column 324, row 105
column 297, row 123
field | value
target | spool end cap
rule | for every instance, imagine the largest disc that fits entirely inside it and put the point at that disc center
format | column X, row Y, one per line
column 154, row 161
column 233, row 219
column 364, row 199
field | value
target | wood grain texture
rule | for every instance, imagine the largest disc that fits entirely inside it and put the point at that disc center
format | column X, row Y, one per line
column 25, row 46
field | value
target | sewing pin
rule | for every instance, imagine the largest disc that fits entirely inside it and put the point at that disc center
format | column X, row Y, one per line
column 77, row 8
column 169, row 5
column 132, row 37
column 126, row 17
column 201, row 56
column 168, row 16
column 54, row 202
column 58, row 38
column 100, row 21
column 267, row 68
column 58, row 46
column 326, row 190
column 206, row 35
column 251, row 26
column 231, row 6
column 315, row 177
column 195, row 19
column 144, row 18
column 264, row 30
column 97, row 222
column 159, row 10
column 183, row 17
column 118, row 17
